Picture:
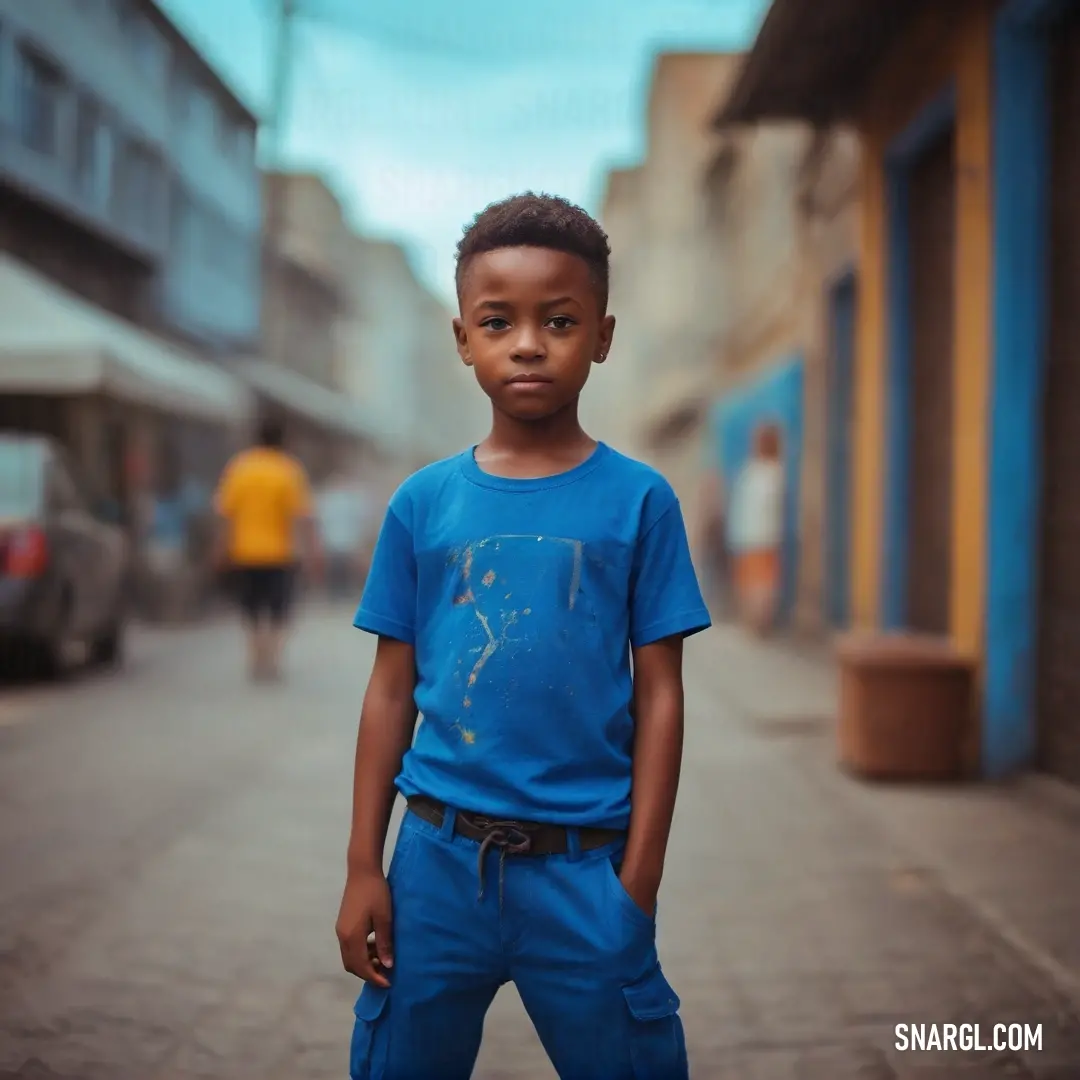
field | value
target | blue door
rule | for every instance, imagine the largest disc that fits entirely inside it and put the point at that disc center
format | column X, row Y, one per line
column 841, row 375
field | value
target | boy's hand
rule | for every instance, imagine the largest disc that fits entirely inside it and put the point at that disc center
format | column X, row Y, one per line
column 365, row 907
column 641, row 892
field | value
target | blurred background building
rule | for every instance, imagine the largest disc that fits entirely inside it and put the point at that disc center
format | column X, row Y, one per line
column 130, row 226
column 159, row 290
column 870, row 245
column 865, row 234
column 852, row 224
column 734, row 251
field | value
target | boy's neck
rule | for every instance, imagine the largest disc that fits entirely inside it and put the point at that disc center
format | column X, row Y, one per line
column 557, row 441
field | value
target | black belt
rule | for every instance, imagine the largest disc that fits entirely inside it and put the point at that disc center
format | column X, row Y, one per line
column 525, row 837
column 510, row 837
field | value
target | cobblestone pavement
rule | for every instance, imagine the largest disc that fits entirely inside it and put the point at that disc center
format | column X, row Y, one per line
column 171, row 848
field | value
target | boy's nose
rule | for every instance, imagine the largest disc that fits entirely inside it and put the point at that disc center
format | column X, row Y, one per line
column 528, row 346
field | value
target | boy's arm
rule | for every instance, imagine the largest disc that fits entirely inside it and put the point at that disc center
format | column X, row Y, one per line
column 387, row 721
column 658, row 740
column 665, row 608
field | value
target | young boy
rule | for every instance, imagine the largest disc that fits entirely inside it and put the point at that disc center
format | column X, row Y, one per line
column 508, row 589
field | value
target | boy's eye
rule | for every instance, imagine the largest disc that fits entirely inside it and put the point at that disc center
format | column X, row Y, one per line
column 495, row 324
column 561, row 322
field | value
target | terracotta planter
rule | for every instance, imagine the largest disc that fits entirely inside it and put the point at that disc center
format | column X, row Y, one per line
column 905, row 703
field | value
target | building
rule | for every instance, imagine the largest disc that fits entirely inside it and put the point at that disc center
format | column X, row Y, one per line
column 299, row 370
column 732, row 255
column 305, row 296
column 782, row 224
column 967, row 369
column 828, row 218
column 129, row 223
column 406, row 366
column 651, row 396
column 128, row 168
column 606, row 408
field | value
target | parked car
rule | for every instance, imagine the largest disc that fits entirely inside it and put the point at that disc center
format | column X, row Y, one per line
column 63, row 568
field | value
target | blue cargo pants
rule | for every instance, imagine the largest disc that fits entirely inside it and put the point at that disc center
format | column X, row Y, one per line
column 581, row 953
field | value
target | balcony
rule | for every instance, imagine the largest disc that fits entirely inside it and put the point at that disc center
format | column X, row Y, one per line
column 62, row 150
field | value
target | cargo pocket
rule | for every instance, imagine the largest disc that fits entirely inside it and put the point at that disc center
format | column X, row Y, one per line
column 657, row 1042
column 367, row 1055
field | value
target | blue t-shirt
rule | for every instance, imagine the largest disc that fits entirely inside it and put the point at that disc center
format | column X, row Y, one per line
column 522, row 599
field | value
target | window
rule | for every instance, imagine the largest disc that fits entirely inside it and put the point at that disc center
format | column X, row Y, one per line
column 94, row 150
column 40, row 102
column 180, row 213
column 194, row 106
column 226, row 135
column 181, row 93
column 204, row 114
column 152, row 53
column 203, row 236
column 148, row 44
column 20, row 478
column 193, row 231
column 221, row 250
column 245, row 144
column 121, row 11
column 139, row 188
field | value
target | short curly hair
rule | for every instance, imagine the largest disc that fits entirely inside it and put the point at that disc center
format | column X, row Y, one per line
column 544, row 221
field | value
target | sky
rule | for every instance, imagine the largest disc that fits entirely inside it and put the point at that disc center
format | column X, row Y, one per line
column 421, row 112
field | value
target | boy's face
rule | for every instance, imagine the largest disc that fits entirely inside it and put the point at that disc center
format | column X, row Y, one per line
column 531, row 328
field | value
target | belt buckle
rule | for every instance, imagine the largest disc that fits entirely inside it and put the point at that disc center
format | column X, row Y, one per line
column 486, row 824
column 510, row 837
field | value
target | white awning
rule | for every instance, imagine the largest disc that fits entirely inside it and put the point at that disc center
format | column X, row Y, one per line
column 53, row 342
column 297, row 393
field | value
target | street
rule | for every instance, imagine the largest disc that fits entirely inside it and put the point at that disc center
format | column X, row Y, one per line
column 172, row 843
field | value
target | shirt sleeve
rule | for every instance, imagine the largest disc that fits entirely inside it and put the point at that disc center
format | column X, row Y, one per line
column 388, row 606
column 665, row 598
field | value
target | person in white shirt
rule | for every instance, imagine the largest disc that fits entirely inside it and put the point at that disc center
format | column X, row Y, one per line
column 755, row 524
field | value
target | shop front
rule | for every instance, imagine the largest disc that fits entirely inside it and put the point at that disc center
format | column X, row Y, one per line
column 121, row 401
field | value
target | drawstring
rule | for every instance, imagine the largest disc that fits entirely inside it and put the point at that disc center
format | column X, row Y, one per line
column 511, row 838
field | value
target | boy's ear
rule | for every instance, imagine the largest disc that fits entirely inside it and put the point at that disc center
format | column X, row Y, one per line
column 607, row 334
column 461, row 340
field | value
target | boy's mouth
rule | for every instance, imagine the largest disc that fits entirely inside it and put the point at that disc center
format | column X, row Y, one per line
column 529, row 378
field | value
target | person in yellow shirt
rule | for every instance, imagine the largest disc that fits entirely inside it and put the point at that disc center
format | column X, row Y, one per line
column 267, row 526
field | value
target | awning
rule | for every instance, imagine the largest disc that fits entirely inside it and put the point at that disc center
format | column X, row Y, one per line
column 53, row 342
column 812, row 59
column 295, row 393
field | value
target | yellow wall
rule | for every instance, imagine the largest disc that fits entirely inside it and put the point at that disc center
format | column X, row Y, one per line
column 869, row 420
column 952, row 45
column 974, row 302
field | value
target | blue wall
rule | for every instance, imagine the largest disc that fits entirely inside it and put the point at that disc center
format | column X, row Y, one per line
column 1021, row 242
column 774, row 397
